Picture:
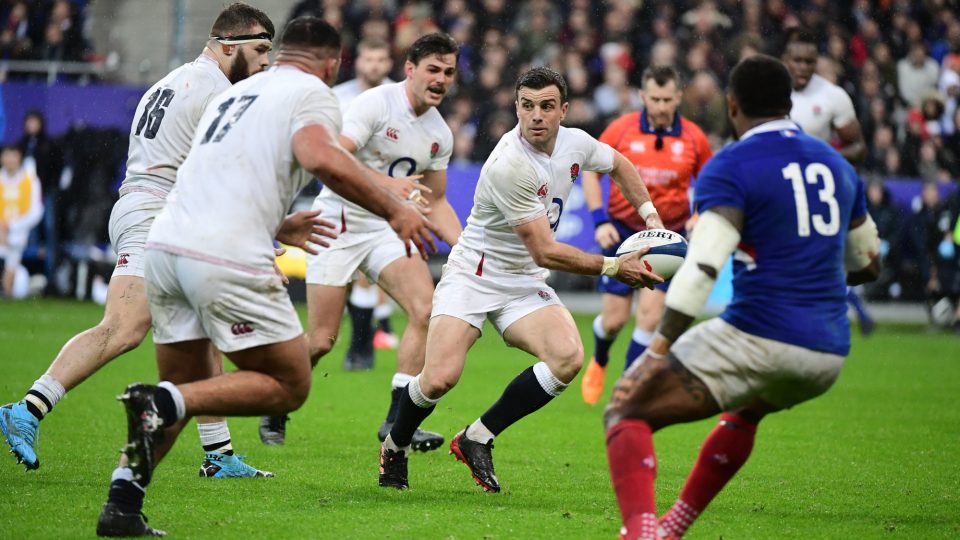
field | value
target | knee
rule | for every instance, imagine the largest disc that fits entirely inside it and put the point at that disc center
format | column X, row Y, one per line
column 125, row 332
column 634, row 396
column 419, row 313
column 565, row 359
column 437, row 383
column 296, row 392
column 613, row 323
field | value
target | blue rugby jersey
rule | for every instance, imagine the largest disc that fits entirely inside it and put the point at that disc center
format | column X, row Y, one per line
column 798, row 196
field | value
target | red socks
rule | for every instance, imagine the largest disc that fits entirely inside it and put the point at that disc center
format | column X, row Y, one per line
column 633, row 468
column 724, row 451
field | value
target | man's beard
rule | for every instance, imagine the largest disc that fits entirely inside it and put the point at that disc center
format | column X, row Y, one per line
column 239, row 70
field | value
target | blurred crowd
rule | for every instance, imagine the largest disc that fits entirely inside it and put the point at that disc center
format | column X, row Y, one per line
column 899, row 61
column 45, row 30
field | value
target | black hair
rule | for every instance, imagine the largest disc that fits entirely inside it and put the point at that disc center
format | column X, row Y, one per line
column 661, row 75
column 238, row 18
column 801, row 36
column 762, row 85
column 435, row 44
column 541, row 77
column 310, row 32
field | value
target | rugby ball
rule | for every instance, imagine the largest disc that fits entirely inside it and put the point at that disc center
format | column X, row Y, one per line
column 667, row 250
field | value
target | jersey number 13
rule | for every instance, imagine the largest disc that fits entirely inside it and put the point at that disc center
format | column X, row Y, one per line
column 814, row 173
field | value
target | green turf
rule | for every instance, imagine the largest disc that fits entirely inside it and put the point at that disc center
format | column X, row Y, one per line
column 877, row 457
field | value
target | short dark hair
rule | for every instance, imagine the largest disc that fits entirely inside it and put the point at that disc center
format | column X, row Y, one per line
column 310, row 31
column 437, row 43
column 237, row 18
column 660, row 75
column 801, row 36
column 541, row 77
column 761, row 85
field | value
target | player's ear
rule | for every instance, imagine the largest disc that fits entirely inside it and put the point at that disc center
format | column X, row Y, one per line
column 563, row 110
column 408, row 68
column 228, row 49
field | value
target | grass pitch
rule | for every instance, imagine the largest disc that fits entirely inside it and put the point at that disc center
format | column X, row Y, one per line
column 876, row 457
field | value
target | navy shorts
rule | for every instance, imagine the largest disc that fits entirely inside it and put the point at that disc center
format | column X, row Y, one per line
column 610, row 285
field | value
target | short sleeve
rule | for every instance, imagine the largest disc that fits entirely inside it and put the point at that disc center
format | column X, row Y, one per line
column 512, row 188
column 317, row 106
column 844, row 113
column 598, row 155
column 363, row 118
column 441, row 160
column 718, row 185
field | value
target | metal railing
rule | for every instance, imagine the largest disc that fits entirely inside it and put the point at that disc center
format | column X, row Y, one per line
column 85, row 70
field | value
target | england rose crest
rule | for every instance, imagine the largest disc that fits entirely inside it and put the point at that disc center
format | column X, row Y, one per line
column 574, row 172
column 434, row 149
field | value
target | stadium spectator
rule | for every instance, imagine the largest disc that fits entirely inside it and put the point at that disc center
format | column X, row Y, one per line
column 889, row 222
column 45, row 156
column 22, row 209
column 917, row 74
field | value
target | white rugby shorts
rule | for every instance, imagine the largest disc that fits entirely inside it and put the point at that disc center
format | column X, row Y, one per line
column 130, row 222
column 235, row 308
column 738, row 367
column 368, row 252
column 500, row 297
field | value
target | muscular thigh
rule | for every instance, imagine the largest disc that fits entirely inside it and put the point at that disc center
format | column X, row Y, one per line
column 543, row 332
column 408, row 281
column 325, row 309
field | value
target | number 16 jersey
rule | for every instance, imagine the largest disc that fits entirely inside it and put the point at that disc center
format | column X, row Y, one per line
column 392, row 140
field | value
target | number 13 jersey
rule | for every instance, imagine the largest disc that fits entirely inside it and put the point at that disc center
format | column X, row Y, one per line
column 392, row 140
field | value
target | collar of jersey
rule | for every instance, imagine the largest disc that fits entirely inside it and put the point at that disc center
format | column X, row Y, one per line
column 780, row 124
column 672, row 132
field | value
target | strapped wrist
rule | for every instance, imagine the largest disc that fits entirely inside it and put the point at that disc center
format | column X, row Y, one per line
column 599, row 216
column 646, row 209
column 611, row 265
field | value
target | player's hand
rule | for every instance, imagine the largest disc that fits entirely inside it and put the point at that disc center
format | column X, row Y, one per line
column 302, row 229
column 276, row 267
column 607, row 235
column 634, row 272
column 408, row 187
column 653, row 221
column 412, row 226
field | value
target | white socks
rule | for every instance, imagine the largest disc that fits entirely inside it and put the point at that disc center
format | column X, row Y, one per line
column 642, row 337
column 548, row 381
column 215, row 437
column 418, row 397
column 51, row 390
column 401, row 379
column 177, row 398
column 599, row 331
column 364, row 297
column 478, row 432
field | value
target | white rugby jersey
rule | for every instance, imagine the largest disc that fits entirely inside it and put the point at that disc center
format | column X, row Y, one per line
column 821, row 107
column 240, row 178
column 164, row 124
column 519, row 184
column 393, row 140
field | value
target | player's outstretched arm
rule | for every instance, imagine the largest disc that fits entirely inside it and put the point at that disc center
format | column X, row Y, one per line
column 443, row 214
column 862, row 251
column 321, row 155
column 631, row 185
column 553, row 255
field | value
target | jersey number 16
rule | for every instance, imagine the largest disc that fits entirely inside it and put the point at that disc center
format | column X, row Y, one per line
column 814, row 173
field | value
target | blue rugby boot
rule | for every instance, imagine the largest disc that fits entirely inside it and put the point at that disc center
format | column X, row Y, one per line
column 21, row 429
column 220, row 465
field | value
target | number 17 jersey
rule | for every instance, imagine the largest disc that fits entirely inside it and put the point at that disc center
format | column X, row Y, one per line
column 392, row 140
column 798, row 197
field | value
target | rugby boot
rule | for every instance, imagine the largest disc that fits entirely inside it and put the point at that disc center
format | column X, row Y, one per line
column 273, row 429
column 393, row 468
column 21, row 430
column 113, row 522
column 220, row 465
column 479, row 458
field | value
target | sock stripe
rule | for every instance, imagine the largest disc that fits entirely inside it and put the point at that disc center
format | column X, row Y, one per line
column 42, row 398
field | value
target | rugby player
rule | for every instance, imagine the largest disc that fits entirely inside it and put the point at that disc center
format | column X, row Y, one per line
column 498, row 271
column 163, row 127
column 669, row 152
column 794, row 211
column 209, row 259
column 397, row 131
